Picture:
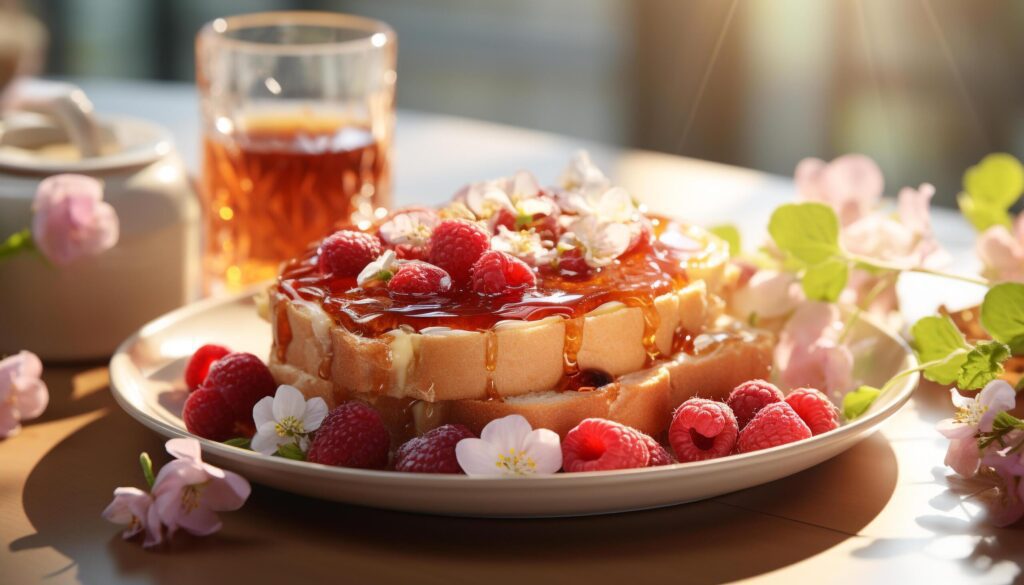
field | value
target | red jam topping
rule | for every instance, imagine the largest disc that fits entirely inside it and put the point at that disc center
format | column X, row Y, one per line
column 634, row 279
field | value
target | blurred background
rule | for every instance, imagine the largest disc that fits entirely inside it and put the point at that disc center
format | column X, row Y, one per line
column 926, row 87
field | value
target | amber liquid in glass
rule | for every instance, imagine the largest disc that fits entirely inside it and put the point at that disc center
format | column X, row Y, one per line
column 279, row 183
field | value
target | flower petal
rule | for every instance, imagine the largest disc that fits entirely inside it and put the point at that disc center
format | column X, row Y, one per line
column 225, row 495
column 288, row 402
column 266, row 440
column 200, row 521
column 263, row 411
column 545, row 448
column 478, row 457
column 952, row 429
column 186, row 449
column 316, row 411
column 997, row 396
column 507, row 432
column 963, row 456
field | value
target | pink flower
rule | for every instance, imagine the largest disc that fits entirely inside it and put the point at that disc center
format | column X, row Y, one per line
column 851, row 184
column 1008, row 505
column 71, row 219
column 23, row 395
column 1002, row 252
column 134, row 508
column 809, row 354
column 187, row 493
column 768, row 294
column 906, row 240
column 973, row 415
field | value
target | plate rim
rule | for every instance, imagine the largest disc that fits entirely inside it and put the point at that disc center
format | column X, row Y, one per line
column 861, row 425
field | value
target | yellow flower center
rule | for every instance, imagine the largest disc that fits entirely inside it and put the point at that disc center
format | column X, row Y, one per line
column 289, row 426
column 970, row 414
column 516, row 463
column 190, row 496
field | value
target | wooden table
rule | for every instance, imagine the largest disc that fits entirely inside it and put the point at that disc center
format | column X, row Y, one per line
column 884, row 511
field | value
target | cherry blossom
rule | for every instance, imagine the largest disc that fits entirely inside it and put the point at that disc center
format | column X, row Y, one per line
column 134, row 508
column 23, row 394
column 71, row 219
column 582, row 176
column 809, row 353
column 851, row 184
column 526, row 245
column 409, row 228
column 768, row 294
column 973, row 415
column 285, row 418
column 600, row 242
column 188, row 492
column 379, row 271
column 1002, row 252
column 520, row 195
column 509, row 446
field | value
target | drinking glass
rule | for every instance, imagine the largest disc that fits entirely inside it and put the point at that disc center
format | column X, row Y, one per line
column 298, row 117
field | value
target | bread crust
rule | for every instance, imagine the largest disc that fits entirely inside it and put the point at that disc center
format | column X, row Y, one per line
column 643, row 399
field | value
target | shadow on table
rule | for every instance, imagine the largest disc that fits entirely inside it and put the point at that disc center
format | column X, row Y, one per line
column 740, row 535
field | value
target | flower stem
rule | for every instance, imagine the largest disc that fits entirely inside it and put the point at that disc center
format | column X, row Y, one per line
column 881, row 265
column 883, row 283
column 147, row 468
column 16, row 242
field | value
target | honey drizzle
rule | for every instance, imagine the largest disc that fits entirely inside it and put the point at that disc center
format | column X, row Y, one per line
column 325, row 366
column 282, row 330
column 652, row 319
column 490, row 363
column 682, row 340
column 571, row 344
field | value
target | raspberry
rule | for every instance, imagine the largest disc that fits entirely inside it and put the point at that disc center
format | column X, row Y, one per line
column 659, row 455
column 597, row 444
column 419, row 278
column 346, row 252
column 702, row 429
column 433, row 452
column 207, row 414
column 815, row 409
column 750, row 397
column 241, row 379
column 571, row 263
column 498, row 273
column 352, row 435
column 455, row 246
column 407, row 252
column 200, row 362
column 775, row 424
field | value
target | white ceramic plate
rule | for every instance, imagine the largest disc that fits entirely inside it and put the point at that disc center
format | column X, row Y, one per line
column 146, row 379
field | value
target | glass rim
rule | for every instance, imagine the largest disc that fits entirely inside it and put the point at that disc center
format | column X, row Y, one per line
column 218, row 31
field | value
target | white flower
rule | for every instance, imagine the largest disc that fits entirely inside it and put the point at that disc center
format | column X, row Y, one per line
column 380, row 270
column 509, row 446
column 286, row 418
column 526, row 245
column 613, row 205
column 520, row 195
column 583, row 176
column 412, row 228
column 601, row 242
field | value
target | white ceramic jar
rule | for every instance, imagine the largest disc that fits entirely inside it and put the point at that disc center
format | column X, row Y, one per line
column 84, row 310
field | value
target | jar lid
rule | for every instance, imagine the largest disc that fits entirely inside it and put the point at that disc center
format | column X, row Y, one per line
column 29, row 143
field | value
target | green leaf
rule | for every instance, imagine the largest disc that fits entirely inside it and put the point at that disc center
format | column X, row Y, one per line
column 858, row 401
column 984, row 363
column 1002, row 314
column 825, row 281
column 938, row 340
column 997, row 181
column 147, row 468
column 240, row 442
column 731, row 235
column 981, row 215
column 808, row 231
column 291, row 451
